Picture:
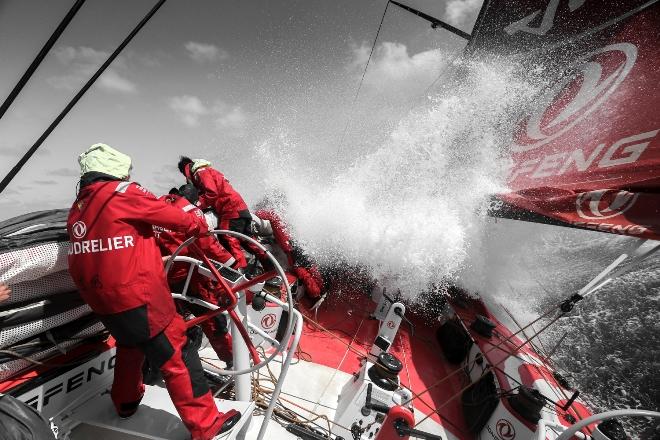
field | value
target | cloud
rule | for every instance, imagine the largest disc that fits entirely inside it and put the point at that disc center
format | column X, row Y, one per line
column 462, row 13
column 13, row 151
column 82, row 62
column 192, row 111
column 189, row 108
column 231, row 119
column 393, row 68
column 111, row 80
column 20, row 150
column 205, row 53
column 64, row 172
column 45, row 182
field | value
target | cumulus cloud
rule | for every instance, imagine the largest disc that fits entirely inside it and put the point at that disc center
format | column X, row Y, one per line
column 205, row 53
column 12, row 151
column 64, row 172
column 81, row 63
column 231, row 118
column 111, row 80
column 462, row 13
column 189, row 108
column 393, row 67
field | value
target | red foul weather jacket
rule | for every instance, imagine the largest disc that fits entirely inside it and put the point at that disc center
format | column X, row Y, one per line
column 216, row 192
column 169, row 240
column 308, row 274
column 114, row 259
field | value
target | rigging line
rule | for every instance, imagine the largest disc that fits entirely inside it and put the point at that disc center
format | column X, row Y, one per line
column 14, row 171
column 417, row 396
column 40, row 57
column 451, row 398
column 357, row 93
column 490, row 349
column 442, row 72
column 261, row 390
column 318, row 402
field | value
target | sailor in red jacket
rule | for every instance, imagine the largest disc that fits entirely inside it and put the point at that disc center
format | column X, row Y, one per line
column 216, row 192
column 215, row 329
column 118, row 269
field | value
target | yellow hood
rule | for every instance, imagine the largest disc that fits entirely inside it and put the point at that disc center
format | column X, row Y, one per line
column 199, row 163
column 103, row 158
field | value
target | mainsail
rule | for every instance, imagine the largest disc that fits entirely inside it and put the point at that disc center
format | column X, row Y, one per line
column 587, row 150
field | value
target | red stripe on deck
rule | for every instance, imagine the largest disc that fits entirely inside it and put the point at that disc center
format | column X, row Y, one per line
column 347, row 317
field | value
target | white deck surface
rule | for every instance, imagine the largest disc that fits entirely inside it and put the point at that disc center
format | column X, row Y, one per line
column 313, row 388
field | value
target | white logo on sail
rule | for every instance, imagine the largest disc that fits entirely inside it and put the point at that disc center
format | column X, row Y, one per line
column 594, row 90
column 604, row 203
column 79, row 229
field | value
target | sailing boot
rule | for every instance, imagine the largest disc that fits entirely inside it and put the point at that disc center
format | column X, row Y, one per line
column 227, row 421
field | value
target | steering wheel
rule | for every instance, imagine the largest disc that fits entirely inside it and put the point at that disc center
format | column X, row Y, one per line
column 228, row 298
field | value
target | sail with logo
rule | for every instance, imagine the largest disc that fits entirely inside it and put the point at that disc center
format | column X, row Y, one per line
column 587, row 150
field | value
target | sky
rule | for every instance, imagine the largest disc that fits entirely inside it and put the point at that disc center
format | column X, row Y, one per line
column 212, row 79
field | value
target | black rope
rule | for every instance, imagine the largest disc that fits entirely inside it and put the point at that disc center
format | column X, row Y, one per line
column 40, row 57
column 14, row 171
column 357, row 93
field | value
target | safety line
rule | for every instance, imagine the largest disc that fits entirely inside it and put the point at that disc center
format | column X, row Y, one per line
column 357, row 93
column 14, row 171
column 40, row 57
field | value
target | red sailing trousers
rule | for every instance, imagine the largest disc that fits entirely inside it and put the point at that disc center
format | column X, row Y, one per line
column 215, row 329
column 232, row 244
column 184, row 380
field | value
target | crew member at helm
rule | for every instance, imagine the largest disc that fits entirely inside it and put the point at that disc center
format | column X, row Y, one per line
column 118, row 269
column 216, row 192
column 202, row 287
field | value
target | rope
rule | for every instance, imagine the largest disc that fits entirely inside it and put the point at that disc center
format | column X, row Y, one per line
column 14, row 171
column 490, row 367
column 261, row 393
column 417, row 395
column 334, row 373
column 357, row 93
column 442, row 72
column 454, row 396
column 40, row 57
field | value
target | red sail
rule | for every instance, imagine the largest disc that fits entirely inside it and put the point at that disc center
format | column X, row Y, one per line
column 587, row 153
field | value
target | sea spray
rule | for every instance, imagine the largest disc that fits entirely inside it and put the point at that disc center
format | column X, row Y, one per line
column 611, row 346
column 410, row 210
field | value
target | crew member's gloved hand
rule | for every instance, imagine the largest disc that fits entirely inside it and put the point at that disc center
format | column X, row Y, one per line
column 197, row 230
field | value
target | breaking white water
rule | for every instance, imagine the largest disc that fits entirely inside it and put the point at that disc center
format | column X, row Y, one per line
column 611, row 341
column 412, row 212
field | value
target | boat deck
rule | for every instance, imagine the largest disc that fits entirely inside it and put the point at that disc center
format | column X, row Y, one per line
column 323, row 365
column 347, row 317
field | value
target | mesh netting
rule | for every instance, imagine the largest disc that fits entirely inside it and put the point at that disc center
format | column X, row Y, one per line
column 11, row 368
column 57, row 282
column 33, row 262
column 11, row 335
